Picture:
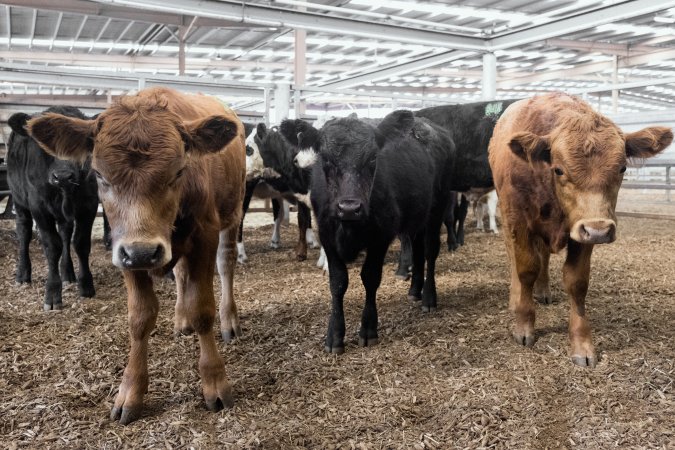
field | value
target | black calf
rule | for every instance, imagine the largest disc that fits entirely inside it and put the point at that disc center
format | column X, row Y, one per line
column 62, row 198
column 368, row 185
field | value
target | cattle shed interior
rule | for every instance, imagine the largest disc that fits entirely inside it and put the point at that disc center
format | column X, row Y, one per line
column 450, row 380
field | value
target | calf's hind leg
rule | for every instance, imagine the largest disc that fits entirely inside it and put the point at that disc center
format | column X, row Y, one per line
column 304, row 220
column 227, row 257
column 525, row 266
column 432, row 245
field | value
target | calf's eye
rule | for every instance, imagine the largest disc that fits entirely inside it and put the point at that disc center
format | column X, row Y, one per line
column 623, row 169
column 558, row 171
column 100, row 179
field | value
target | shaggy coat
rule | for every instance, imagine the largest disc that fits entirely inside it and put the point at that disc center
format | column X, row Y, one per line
column 61, row 197
column 558, row 166
column 171, row 174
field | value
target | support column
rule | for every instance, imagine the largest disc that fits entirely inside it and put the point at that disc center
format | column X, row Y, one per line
column 489, row 76
column 182, row 31
column 282, row 102
column 266, row 118
column 300, row 70
column 615, row 81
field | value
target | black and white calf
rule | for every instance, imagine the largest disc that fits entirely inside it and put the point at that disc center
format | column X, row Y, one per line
column 368, row 186
column 60, row 196
column 263, row 181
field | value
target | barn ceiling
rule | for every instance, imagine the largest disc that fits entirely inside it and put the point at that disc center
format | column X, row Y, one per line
column 422, row 50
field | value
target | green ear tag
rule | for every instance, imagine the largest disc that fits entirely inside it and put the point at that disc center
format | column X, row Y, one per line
column 493, row 110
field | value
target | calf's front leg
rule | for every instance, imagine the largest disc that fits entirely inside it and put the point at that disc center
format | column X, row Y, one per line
column 371, row 276
column 24, row 232
column 576, row 274
column 143, row 308
column 339, row 280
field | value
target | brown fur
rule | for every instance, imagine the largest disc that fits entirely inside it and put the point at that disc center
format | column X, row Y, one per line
column 141, row 145
column 557, row 166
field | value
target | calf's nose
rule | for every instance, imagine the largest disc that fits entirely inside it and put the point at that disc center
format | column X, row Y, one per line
column 598, row 232
column 60, row 178
column 139, row 255
column 350, row 209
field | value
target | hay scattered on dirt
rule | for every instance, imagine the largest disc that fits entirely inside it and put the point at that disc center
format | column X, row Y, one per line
column 449, row 379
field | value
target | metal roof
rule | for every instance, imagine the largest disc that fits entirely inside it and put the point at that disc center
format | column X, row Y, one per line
column 418, row 49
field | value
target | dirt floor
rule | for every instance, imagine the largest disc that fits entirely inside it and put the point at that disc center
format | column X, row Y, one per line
column 450, row 379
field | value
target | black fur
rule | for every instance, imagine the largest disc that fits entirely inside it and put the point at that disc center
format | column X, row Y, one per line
column 59, row 195
column 471, row 126
column 399, row 174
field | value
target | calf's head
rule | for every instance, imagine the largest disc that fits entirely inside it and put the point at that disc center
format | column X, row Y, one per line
column 139, row 151
column 64, row 175
column 348, row 150
column 586, row 155
column 254, row 162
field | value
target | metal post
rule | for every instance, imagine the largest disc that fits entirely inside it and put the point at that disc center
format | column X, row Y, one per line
column 181, row 50
column 489, row 76
column 668, row 182
column 615, row 81
column 267, row 106
column 300, row 70
column 282, row 101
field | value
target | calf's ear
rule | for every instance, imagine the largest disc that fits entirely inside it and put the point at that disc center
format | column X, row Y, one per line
column 531, row 147
column 209, row 135
column 17, row 122
column 308, row 136
column 648, row 142
column 62, row 136
column 261, row 131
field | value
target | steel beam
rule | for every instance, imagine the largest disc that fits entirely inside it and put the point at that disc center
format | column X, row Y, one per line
column 280, row 17
column 584, row 69
column 23, row 73
column 579, row 22
column 125, row 13
column 398, row 69
column 601, row 47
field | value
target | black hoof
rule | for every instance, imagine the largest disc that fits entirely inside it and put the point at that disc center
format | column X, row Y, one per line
column 185, row 331
column 87, row 291
column 585, row 361
column 414, row 298
column 428, row 309
column 368, row 342
column 544, row 300
column 52, row 307
column 334, row 350
column 527, row 341
column 402, row 277
column 125, row 415
column 230, row 335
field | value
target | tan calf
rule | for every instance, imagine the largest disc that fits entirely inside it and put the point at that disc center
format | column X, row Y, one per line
column 171, row 170
column 558, row 166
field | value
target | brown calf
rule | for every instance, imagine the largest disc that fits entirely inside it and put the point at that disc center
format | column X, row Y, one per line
column 558, row 166
column 173, row 199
